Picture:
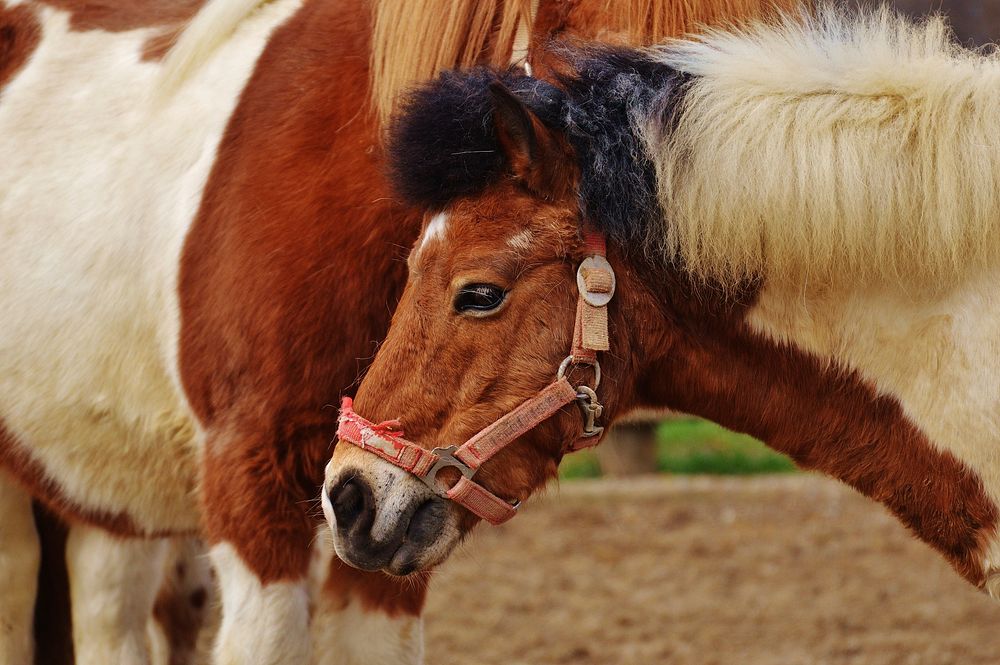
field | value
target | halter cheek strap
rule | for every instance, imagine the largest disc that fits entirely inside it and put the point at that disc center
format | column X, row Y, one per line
column 596, row 284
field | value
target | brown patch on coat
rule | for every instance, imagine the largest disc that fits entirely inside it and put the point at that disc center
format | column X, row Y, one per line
column 157, row 46
column 377, row 591
column 121, row 15
column 180, row 606
column 297, row 220
column 20, row 33
column 31, row 475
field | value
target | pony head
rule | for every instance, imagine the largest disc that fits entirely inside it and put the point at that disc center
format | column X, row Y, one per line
column 511, row 172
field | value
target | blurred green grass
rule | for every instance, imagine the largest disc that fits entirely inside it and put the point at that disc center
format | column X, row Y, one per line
column 688, row 445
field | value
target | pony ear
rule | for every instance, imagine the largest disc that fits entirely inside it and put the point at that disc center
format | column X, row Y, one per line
column 538, row 156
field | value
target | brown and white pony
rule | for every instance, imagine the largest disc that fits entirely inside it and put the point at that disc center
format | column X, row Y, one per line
column 802, row 218
column 186, row 193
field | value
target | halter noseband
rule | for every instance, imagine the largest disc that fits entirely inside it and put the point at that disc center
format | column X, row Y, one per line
column 596, row 284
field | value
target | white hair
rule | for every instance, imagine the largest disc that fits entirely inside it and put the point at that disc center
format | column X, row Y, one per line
column 810, row 149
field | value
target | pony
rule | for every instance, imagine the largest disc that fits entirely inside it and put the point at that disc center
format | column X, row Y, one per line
column 184, row 191
column 788, row 228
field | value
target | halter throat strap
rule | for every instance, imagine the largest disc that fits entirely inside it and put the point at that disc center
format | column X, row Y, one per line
column 596, row 284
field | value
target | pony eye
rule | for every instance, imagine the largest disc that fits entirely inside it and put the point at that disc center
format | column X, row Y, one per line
column 479, row 298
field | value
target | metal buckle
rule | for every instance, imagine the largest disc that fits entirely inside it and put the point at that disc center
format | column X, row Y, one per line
column 586, row 397
column 446, row 458
column 570, row 360
column 592, row 410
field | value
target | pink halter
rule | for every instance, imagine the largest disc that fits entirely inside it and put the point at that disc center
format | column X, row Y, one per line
column 596, row 284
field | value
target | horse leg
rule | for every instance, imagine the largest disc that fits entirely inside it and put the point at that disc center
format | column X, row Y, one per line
column 363, row 618
column 20, row 555
column 257, row 523
column 181, row 610
column 113, row 583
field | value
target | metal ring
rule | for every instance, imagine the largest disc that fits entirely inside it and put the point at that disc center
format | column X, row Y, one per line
column 600, row 264
column 569, row 360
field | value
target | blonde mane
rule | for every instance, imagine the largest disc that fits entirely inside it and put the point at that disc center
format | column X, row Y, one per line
column 414, row 40
column 812, row 149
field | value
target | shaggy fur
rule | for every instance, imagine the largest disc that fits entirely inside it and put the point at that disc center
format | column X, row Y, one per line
column 834, row 145
column 611, row 93
column 444, row 145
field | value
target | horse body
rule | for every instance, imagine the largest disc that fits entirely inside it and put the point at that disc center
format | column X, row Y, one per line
column 756, row 284
column 103, row 177
column 102, row 183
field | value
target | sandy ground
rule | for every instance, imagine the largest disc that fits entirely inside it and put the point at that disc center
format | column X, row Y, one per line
column 781, row 570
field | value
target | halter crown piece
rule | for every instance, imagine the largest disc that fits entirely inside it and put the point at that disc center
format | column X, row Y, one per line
column 596, row 284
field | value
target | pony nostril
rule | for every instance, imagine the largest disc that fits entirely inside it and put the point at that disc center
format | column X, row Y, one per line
column 352, row 501
column 426, row 522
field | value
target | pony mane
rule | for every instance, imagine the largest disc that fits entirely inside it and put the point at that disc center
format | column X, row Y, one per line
column 413, row 41
column 443, row 145
column 835, row 146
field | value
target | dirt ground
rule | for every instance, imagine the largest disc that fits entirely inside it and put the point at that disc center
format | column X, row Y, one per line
column 779, row 570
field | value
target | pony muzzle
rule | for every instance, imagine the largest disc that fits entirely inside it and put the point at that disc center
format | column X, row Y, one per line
column 382, row 518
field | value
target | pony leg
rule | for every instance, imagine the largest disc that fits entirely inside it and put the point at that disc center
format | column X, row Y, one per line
column 263, row 623
column 182, row 608
column 113, row 583
column 20, row 555
column 362, row 618
column 257, row 523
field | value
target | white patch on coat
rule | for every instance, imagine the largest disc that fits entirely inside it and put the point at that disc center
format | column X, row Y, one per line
column 98, row 188
column 266, row 624
column 521, row 241
column 939, row 356
column 113, row 585
column 436, row 229
column 20, row 557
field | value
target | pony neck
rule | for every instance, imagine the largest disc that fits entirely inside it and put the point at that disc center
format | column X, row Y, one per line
column 745, row 362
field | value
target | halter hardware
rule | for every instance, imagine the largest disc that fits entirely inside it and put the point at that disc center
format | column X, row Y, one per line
column 596, row 284
column 446, row 458
column 592, row 410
